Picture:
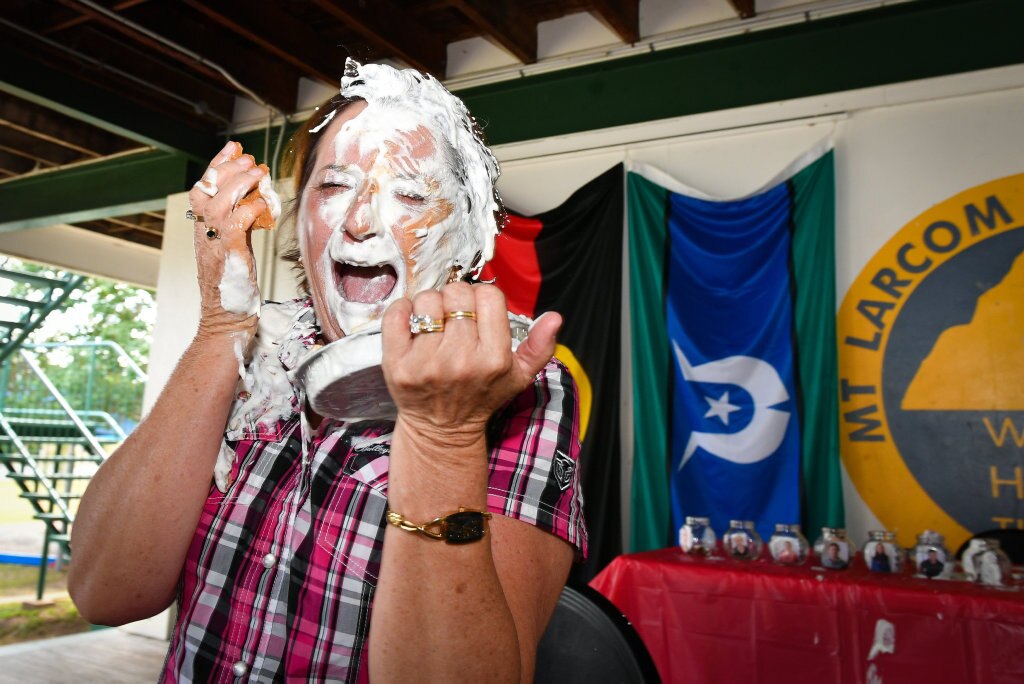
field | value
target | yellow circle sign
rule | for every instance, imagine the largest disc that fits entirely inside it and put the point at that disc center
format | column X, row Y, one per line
column 931, row 369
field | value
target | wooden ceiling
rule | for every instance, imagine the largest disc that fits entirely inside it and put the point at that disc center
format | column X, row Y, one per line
column 184, row 61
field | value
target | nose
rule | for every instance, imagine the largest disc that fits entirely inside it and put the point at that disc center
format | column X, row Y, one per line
column 359, row 222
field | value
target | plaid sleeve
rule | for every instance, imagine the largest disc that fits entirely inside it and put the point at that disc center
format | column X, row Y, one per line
column 534, row 460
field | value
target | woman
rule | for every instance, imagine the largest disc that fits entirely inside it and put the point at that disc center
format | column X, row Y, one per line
column 321, row 520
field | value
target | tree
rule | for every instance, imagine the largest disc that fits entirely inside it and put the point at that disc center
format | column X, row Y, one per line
column 90, row 377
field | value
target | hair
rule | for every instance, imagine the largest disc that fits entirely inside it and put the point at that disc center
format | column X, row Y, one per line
column 301, row 152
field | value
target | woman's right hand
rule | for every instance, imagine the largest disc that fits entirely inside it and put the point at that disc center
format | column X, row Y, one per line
column 223, row 246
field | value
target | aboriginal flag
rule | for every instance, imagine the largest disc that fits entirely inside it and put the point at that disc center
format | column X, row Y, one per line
column 569, row 260
column 734, row 353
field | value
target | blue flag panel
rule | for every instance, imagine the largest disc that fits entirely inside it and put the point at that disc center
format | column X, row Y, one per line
column 729, row 314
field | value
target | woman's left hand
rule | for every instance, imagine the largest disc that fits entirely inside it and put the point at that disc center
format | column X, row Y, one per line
column 447, row 384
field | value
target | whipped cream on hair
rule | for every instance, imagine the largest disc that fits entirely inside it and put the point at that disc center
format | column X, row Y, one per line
column 472, row 164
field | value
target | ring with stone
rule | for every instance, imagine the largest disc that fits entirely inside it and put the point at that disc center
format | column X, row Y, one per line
column 424, row 323
column 212, row 233
column 193, row 216
column 459, row 315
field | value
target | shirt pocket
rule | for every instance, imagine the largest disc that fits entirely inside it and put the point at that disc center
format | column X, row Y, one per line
column 350, row 521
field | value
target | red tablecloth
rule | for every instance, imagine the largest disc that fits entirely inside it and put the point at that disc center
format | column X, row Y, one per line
column 718, row 620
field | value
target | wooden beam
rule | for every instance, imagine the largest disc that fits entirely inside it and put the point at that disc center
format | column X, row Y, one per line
column 15, row 164
column 278, row 33
column 386, row 27
column 504, row 22
column 82, row 18
column 269, row 78
column 744, row 8
column 623, row 16
column 53, row 140
column 49, row 125
column 26, row 154
column 41, row 85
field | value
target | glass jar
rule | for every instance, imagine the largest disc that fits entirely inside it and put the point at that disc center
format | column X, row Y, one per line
column 832, row 548
column 992, row 565
column 931, row 559
column 741, row 540
column 696, row 536
column 881, row 554
column 788, row 546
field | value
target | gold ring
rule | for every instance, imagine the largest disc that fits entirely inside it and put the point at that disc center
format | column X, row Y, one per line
column 459, row 315
column 212, row 233
column 424, row 323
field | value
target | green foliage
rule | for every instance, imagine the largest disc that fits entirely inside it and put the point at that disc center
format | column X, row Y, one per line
column 90, row 377
column 100, row 309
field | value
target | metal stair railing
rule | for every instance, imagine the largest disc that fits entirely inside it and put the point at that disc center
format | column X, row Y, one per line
column 17, row 331
column 33, row 476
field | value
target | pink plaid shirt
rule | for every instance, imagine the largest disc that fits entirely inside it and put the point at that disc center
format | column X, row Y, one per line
column 278, row 583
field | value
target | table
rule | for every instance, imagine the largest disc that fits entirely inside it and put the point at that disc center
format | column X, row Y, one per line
column 724, row 620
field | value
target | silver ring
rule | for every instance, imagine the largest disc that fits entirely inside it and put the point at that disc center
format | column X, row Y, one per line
column 192, row 216
column 423, row 323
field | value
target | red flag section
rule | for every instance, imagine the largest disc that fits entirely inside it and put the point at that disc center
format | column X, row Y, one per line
column 516, row 262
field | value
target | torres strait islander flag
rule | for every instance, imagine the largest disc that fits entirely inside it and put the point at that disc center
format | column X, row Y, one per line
column 569, row 260
column 734, row 354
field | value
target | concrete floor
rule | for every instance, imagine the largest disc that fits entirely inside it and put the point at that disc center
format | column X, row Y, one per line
column 108, row 655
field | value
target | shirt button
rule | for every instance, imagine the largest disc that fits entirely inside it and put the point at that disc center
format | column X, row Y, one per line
column 240, row 668
column 269, row 560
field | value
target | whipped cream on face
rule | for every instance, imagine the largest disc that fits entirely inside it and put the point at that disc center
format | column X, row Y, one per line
column 414, row 188
column 238, row 294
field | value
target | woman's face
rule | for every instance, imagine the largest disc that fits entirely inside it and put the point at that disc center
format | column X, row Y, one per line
column 375, row 216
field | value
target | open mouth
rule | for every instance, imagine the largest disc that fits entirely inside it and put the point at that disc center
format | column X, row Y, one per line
column 365, row 284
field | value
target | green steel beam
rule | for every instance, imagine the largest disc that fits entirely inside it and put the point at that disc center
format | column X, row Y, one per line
column 892, row 44
column 109, row 187
column 35, row 82
column 915, row 40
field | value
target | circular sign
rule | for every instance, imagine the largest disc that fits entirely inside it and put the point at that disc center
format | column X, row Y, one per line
column 931, row 376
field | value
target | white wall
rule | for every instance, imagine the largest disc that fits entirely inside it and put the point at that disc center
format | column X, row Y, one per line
column 84, row 251
column 899, row 150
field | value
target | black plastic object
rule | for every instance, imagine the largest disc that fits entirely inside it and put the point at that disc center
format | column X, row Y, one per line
column 589, row 640
column 1010, row 540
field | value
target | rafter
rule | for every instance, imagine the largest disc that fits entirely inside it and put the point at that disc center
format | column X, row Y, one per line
column 277, row 32
column 45, row 124
column 83, row 18
column 744, row 8
column 269, row 78
column 623, row 16
column 53, row 140
column 41, row 85
column 504, row 22
column 25, row 154
column 385, row 26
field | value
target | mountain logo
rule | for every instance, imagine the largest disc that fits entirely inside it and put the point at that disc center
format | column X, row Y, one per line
column 931, row 369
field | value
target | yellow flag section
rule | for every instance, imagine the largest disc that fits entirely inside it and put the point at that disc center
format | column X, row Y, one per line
column 931, row 369
column 583, row 391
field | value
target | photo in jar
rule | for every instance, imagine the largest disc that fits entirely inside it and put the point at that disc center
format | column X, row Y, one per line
column 740, row 545
column 881, row 557
column 931, row 560
column 835, row 554
column 785, row 551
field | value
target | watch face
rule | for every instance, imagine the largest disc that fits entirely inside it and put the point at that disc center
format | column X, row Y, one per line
column 464, row 527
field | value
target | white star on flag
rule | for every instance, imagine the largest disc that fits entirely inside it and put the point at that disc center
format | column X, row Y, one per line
column 720, row 407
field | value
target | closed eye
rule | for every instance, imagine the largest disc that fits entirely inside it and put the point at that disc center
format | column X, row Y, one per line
column 411, row 198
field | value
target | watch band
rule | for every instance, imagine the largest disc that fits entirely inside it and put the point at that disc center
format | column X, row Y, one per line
column 464, row 526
